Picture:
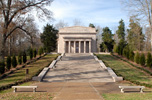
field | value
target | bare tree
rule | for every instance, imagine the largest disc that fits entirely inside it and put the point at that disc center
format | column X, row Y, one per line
column 77, row 22
column 61, row 24
column 17, row 11
column 147, row 39
column 99, row 37
column 31, row 31
column 141, row 9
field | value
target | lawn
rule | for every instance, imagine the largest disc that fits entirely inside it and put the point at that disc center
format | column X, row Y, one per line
column 126, row 70
column 27, row 96
column 20, row 74
column 33, row 69
column 9, row 95
column 129, row 73
column 128, row 96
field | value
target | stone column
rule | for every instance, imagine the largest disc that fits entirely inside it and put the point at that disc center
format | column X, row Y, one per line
column 84, row 46
column 74, row 46
column 89, row 46
column 69, row 46
column 79, row 46
column 64, row 46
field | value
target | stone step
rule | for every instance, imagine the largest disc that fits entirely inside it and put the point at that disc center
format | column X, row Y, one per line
column 78, row 68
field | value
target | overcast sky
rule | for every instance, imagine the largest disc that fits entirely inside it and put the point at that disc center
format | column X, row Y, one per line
column 99, row 12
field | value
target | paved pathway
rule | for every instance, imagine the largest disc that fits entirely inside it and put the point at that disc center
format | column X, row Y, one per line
column 78, row 68
column 77, row 77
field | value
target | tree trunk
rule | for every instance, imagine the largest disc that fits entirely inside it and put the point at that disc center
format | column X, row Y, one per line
column 151, row 22
column 9, row 46
column 2, row 52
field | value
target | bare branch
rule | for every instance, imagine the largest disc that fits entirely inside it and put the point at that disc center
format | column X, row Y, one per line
column 30, row 4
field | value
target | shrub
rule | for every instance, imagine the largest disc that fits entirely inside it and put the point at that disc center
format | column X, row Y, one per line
column 8, row 62
column 126, row 52
column 31, row 53
column 149, row 59
column 40, row 51
column 20, row 58
column 131, row 55
column 43, row 50
column 121, row 45
column 115, row 48
column 24, row 57
column 14, row 61
column 2, row 67
column 34, row 53
column 142, row 59
column 137, row 58
column 120, row 50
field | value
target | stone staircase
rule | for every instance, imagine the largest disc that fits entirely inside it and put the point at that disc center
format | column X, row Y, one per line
column 78, row 68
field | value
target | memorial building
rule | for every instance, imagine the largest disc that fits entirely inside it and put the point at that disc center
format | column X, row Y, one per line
column 77, row 39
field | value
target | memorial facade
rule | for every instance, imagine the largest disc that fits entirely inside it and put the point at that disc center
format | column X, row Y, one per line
column 77, row 39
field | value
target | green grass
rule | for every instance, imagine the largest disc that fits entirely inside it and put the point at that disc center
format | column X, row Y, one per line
column 127, row 71
column 128, row 96
column 27, row 96
column 33, row 69
column 20, row 74
column 11, row 89
column 9, row 95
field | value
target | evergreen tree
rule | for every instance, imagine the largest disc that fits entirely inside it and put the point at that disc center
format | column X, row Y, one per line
column 115, row 48
column 2, row 67
column 107, row 39
column 91, row 25
column 43, row 50
column 24, row 57
column 121, row 30
column 8, row 61
column 40, row 51
column 20, row 58
column 126, row 52
column 14, row 61
column 31, row 53
column 142, row 59
column 135, row 35
column 34, row 53
column 49, row 38
column 131, row 55
column 137, row 58
column 121, row 46
column 121, row 36
column 103, row 47
column 149, row 59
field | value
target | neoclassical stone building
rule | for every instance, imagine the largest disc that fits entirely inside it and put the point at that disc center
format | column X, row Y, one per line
column 77, row 39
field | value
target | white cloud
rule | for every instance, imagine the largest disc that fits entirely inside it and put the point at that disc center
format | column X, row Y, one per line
column 99, row 12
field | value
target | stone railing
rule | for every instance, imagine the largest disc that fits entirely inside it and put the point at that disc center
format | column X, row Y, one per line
column 111, row 72
column 114, row 76
column 45, row 70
